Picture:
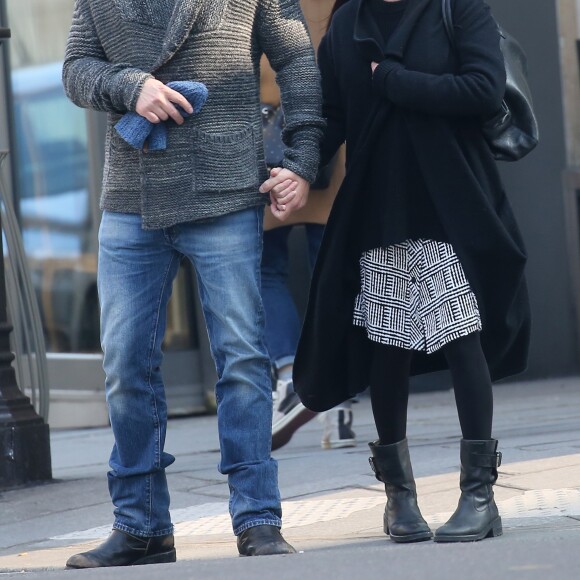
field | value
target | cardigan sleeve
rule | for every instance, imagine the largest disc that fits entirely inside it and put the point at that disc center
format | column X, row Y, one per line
column 332, row 109
column 89, row 79
column 283, row 36
column 476, row 89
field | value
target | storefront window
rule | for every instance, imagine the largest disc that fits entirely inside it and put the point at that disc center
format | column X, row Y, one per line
column 53, row 150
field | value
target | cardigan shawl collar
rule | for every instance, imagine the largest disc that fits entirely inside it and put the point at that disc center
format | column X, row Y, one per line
column 169, row 34
column 185, row 13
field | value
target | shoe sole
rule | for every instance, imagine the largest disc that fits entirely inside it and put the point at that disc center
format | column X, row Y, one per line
column 408, row 538
column 284, row 429
column 422, row 537
column 276, row 552
column 495, row 529
column 162, row 558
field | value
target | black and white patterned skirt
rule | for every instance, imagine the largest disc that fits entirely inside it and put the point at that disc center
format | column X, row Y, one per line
column 415, row 295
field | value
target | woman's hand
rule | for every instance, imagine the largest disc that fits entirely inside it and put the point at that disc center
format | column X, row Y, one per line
column 288, row 192
column 374, row 65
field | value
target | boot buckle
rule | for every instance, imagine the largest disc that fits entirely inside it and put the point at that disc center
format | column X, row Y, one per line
column 491, row 460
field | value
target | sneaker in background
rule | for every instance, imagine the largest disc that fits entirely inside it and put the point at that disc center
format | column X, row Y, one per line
column 337, row 429
column 289, row 414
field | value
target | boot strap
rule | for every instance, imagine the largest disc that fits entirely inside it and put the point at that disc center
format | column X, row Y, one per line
column 375, row 469
column 491, row 460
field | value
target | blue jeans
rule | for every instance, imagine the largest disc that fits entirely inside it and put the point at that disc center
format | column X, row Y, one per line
column 283, row 324
column 136, row 270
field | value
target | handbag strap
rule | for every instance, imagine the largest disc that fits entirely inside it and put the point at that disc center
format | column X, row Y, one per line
column 448, row 21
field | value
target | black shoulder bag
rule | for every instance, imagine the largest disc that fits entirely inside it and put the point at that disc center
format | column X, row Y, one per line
column 513, row 131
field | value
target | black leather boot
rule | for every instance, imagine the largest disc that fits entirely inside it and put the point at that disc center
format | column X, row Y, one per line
column 122, row 549
column 403, row 521
column 263, row 541
column 476, row 516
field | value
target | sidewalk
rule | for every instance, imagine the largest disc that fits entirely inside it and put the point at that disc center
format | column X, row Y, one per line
column 331, row 499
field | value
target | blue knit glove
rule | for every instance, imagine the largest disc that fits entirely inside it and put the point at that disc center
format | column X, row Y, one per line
column 135, row 129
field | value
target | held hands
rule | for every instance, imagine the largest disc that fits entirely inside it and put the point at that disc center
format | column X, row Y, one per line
column 288, row 192
column 157, row 102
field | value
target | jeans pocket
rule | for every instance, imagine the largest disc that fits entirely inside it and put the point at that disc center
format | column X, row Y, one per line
column 225, row 161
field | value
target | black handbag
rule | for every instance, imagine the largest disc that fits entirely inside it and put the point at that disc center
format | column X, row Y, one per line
column 512, row 132
column 272, row 126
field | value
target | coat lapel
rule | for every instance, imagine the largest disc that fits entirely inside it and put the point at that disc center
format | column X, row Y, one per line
column 401, row 35
column 182, row 19
column 366, row 31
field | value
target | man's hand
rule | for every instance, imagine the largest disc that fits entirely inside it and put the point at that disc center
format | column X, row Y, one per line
column 156, row 100
column 288, row 192
column 374, row 65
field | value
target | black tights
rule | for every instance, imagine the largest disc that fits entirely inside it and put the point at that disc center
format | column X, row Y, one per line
column 389, row 383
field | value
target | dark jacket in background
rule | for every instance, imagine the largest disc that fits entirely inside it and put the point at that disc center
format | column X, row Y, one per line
column 439, row 97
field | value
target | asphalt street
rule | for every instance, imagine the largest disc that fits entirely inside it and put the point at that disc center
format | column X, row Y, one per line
column 332, row 503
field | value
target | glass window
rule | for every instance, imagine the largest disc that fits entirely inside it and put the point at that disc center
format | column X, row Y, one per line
column 52, row 150
column 52, row 165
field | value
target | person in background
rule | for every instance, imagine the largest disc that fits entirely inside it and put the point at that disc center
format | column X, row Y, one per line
column 422, row 264
column 283, row 322
column 196, row 196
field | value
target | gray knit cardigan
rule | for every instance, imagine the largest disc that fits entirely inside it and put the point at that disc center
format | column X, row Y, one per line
column 214, row 162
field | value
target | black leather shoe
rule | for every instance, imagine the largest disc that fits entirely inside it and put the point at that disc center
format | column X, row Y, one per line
column 263, row 541
column 122, row 549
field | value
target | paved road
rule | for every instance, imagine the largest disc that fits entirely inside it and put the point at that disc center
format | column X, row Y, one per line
column 332, row 505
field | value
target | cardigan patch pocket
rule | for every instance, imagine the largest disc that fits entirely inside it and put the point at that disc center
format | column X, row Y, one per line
column 225, row 161
column 122, row 165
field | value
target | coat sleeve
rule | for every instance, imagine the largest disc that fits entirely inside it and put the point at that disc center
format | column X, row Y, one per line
column 332, row 108
column 89, row 79
column 476, row 89
column 283, row 36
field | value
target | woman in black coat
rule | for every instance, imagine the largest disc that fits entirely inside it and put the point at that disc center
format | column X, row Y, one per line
column 421, row 266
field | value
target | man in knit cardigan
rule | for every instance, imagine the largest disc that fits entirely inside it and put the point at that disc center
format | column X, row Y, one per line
column 197, row 198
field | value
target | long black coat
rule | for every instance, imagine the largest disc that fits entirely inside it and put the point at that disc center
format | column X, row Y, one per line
column 442, row 95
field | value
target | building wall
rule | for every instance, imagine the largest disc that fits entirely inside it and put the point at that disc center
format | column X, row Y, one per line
column 535, row 187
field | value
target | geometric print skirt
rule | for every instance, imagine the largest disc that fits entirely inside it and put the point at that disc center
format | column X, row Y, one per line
column 415, row 295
